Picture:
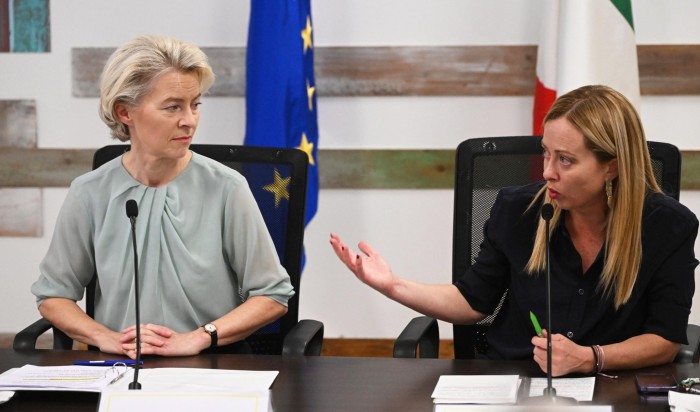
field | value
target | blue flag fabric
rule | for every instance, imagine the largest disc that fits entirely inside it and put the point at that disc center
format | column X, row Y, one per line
column 280, row 83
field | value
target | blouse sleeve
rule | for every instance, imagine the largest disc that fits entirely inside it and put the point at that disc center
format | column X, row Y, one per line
column 69, row 263
column 671, row 258
column 251, row 251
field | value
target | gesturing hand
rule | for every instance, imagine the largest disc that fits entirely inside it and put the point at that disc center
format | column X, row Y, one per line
column 370, row 269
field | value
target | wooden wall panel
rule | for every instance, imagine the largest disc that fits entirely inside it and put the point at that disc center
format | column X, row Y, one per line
column 21, row 212
column 421, row 71
column 31, row 26
column 20, row 207
column 340, row 169
column 18, row 127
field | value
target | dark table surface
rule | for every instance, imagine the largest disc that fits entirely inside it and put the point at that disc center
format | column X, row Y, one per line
column 335, row 383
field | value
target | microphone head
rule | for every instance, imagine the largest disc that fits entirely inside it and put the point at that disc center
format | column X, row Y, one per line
column 547, row 211
column 132, row 209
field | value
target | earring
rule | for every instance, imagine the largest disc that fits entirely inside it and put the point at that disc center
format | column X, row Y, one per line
column 609, row 192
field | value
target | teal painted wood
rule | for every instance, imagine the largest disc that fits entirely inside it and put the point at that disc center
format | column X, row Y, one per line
column 31, row 26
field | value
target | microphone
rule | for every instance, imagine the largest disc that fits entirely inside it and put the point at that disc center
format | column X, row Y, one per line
column 132, row 211
column 547, row 212
column 549, row 394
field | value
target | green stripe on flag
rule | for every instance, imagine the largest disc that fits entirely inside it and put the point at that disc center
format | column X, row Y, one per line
column 625, row 8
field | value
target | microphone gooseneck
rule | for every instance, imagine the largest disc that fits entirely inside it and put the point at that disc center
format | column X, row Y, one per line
column 547, row 213
column 549, row 394
column 132, row 211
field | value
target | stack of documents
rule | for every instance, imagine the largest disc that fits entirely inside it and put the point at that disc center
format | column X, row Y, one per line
column 169, row 388
column 60, row 378
column 503, row 389
column 476, row 389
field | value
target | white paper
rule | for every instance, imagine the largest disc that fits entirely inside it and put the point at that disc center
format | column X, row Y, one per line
column 197, row 379
column 476, row 389
column 683, row 401
column 6, row 396
column 147, row 400
column 60, row 378
column 522, row 408
column 580, row 389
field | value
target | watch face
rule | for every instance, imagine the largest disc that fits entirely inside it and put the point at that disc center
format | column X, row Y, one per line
column 209, row 328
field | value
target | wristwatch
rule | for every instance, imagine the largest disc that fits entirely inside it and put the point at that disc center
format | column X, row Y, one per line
column 210, row 329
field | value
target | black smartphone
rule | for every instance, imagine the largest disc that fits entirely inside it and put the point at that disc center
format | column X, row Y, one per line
column 650, row 383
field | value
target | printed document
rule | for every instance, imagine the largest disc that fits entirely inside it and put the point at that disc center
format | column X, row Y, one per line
column 60, row 378
column 476, row 389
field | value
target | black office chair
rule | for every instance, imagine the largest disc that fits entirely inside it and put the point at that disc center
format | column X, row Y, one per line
column 483, row 166
column 286, row 225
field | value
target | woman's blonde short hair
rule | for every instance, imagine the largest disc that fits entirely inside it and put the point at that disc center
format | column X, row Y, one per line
column 132, row 68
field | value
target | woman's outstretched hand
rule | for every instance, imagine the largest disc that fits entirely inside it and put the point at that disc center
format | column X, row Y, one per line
column 370, row 268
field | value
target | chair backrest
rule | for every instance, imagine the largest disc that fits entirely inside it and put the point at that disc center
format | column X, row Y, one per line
column 485, row 165
column 266, row 170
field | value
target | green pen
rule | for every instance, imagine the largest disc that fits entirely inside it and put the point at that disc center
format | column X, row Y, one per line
column 536, row 324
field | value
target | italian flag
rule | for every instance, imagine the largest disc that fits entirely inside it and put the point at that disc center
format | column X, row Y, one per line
column 585, row 42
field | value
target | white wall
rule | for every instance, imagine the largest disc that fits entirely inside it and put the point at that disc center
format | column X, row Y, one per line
column 411, row 228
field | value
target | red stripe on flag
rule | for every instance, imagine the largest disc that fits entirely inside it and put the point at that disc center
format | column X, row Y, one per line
column 544, row 98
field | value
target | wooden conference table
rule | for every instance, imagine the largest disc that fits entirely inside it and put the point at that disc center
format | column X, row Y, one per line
column 334, row 383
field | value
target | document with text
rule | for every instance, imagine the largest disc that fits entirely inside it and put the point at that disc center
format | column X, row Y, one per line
column 476, row 389
column 60, row 378
column 580, row 389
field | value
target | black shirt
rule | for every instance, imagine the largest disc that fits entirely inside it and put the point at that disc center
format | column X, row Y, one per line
column 660, row 302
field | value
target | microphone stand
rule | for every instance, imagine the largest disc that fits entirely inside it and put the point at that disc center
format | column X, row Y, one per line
column 549, row 394
column 132, row 211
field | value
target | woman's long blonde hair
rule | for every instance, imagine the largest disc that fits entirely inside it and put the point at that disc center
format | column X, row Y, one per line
column 612, row 130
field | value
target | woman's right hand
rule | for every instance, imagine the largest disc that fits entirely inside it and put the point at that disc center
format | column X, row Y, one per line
column 110, row 341
column 370, row 269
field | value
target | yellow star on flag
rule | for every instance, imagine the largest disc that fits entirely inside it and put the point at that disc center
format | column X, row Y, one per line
column 310, row 90
column 307, row 148
column 279, row 187
column 306, row 35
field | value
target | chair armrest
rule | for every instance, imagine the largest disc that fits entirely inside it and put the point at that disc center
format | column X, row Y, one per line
column 421, row 333
column 305, row 339
column 27, row 337
column 690, row 353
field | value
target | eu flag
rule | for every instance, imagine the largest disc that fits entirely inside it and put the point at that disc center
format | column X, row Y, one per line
column 280, row 83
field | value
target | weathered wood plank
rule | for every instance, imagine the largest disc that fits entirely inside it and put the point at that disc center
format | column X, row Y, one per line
column 426, row 71
column 18, row 126
column 42, row 167
column 669, row 69
column 340, row 169
column 4, row 26
column 21, row 212
column 386, row 169
column 20, row 208
column 421, row 71
column 31, row 26
column 690, row 170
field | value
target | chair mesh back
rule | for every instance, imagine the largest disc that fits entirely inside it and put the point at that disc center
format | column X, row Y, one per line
column 277, row 179
column 484, row 166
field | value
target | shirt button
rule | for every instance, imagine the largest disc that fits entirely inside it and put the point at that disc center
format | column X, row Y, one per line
column 569, row 334
column 581, row 291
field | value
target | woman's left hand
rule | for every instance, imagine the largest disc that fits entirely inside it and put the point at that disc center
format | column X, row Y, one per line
column 567, row 357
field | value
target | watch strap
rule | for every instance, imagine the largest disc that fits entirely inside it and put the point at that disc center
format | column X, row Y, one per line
column 210, row 329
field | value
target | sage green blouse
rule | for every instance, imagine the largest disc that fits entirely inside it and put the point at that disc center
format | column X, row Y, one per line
column 202, row 244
